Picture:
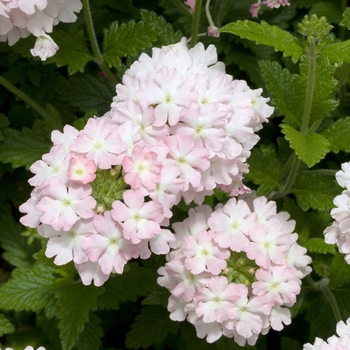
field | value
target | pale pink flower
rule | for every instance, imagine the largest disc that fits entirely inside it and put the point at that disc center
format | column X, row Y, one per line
column 139, row 220
column 62, row 206
column 66, row 245
column 100, row 142
column 216, row 301
column 142, row 168
column 32, row 217
column 91, row 271
column 44, row 47
column 213, row 31
column 202, row 254
column 268, row 245
column 108, row 247
column 191, row 4
column 81, row 169
column 66, row 137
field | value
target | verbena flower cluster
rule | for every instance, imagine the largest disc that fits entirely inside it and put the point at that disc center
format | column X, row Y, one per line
column 178, row 128
column 340, row 342
column 254, row 9
column 339, row 232
column 20, row 18
column 234, row 271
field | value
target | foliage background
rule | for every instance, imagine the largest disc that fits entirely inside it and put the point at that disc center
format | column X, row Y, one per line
column 43, row 304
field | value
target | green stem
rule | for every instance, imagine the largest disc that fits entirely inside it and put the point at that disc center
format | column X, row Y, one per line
column 312, row 54
column 326, row 172
column 195, row 22
column 292, row 174
column 182, row 7
column 94, row 45
column 322, row 286
column 309, row 88
column 24, row 97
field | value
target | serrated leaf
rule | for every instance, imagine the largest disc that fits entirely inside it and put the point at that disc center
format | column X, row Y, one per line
column 310, row 148
column 326, row 9
column 151, row 326
column 52, row 120
column 337, row 52
column 167, row 35
column 266, row 34
column 126, row 40
column 160, row 296
column 318, row 245
column 315, row 191
column 23, row 148
column 87, row 92
column 16, row 249
column 225, row 343
column 339, row 271
column 75, row 303
column 345, row 22
column 29, row 289
column 6, row 326
column 286, row 90
column 264, row 169
column 73, row 50
column 138, row 281
column 338, row 135
column 90, row 338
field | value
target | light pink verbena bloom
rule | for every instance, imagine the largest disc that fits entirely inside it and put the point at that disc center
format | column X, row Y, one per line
column 262, row 271
column 44, row 47
column 254, row 9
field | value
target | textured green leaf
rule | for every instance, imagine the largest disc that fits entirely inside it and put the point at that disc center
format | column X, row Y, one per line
column 73, row 50
column 88, row 92
column 139, row 281
column 151, row 326
column 225, row 343
column 337, row 52
column 264, row 169
column 345, row 22
column 160, row 296
column 75, row 302
column 167, row 35
column 5, row 326
column 29, row 289
column 126, row 39
column 90, row 338
column 52, row 121
column 318, row 245
column 16, row 249
column 338, row 135
column 326, row 9
column 339, row 271
column 24, row 147
column 287, row 92
column 310, row 148
column 315, row 191
column 266, row 34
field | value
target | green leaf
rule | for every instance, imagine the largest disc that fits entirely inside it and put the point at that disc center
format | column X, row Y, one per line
column 310, row 148
column 5, row 326
column 17, row 251
column 326, row 9
column 225, row 343
column 126, row 40
column 285, row 89
column 151, row 326
column 318, row 245
column 264, row 169
column 88, row 92
column 138, row 281
column 338, row 135
column 52, row 121
column 75, row 302
column 23, row 148
column 345, row 22
column 266, row 34
column 167, row 35
column 29, row 289
column 337, row 52
column 339, row 271
column 315, row 191
column 160, row 296
column 90, row 338
column 73, row 50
